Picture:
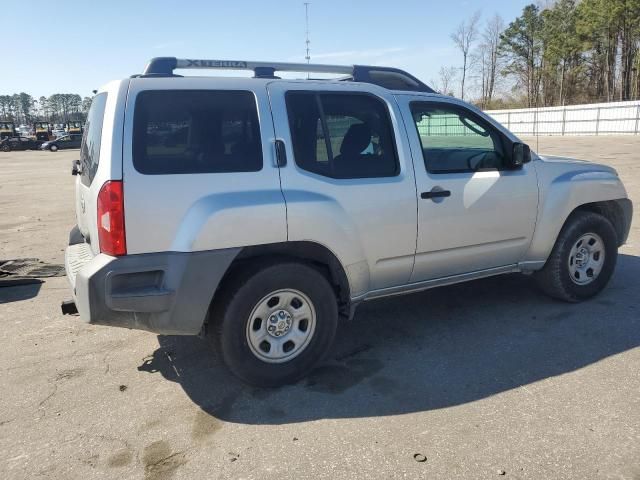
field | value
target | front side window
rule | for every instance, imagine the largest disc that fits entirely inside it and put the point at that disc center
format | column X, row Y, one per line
column 195, row 131
column 90, row 148
column 342, row 135
column 455, row 140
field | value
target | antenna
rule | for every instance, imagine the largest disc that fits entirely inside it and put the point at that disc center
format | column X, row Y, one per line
column 307, row 41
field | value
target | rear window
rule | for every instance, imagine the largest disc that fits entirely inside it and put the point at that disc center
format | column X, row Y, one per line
column 192, row 131
column 90, row 149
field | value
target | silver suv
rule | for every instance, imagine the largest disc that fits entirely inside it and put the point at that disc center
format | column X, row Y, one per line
column 259, row 211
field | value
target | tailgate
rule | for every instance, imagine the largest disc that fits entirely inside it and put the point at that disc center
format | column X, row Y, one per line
column 93, row 152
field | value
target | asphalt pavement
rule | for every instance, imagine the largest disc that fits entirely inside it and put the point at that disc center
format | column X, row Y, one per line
column 488, row 379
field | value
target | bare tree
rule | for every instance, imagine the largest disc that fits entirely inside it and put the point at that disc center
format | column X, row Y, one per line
column 464, row 37
column 488, row 58
column 444, row 84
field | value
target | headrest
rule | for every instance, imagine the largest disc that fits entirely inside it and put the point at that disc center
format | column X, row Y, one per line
column 358, row 138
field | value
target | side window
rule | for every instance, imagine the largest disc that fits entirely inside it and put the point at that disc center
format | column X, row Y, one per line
column 455, row 140
column 342, row 135
column 196, row 131
column 90, row 148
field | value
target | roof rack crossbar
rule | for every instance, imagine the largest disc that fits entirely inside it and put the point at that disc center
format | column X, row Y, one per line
column 164, row 66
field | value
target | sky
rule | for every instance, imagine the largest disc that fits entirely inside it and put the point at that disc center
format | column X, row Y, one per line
column 76, row 46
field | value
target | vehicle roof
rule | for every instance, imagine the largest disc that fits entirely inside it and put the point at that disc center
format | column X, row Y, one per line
column 251, row 82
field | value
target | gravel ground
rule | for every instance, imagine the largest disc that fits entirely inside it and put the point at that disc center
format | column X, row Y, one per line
column 485, row 379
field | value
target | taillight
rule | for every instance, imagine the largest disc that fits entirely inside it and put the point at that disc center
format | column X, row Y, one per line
column 111, row 219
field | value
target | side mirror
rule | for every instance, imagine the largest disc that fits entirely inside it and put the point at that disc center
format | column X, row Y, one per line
column 521, row 154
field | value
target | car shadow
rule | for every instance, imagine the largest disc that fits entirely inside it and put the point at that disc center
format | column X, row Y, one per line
column 435, row 349
column 17, row 293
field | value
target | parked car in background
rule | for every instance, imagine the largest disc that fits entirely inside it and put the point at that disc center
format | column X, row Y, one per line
column 19, row 143
column 62, row 143
column 24, row 131
column 57, row 133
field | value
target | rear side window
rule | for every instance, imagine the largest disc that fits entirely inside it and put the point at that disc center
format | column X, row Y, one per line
column 195, row 131
column 342, row 135
column 90, row 149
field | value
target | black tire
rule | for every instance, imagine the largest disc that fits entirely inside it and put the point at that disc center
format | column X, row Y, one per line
column 238, row 297
column 53, row 148
column 555, row 278
column 6, row 148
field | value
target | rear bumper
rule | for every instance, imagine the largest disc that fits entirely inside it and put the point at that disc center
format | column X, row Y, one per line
column 167, row 293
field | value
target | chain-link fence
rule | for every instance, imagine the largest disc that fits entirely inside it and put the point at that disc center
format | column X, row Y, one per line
column 592, row 119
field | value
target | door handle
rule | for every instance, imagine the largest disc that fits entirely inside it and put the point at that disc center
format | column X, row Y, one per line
column 436, row 192
column 281, row 153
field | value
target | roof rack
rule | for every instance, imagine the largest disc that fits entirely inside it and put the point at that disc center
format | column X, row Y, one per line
column 387, row 77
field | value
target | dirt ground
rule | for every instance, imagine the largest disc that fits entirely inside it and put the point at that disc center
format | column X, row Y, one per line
column 485, row 379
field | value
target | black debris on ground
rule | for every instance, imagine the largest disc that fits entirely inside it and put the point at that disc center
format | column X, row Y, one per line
column 25, row 271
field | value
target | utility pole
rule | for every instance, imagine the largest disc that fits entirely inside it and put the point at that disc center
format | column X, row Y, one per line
column 307, row 41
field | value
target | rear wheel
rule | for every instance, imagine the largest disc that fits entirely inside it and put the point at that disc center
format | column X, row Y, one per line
column 274, row 323
column 582, row 260
column 6, row 148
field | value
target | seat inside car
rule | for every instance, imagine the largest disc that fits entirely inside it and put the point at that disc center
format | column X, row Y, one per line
column 354, row 143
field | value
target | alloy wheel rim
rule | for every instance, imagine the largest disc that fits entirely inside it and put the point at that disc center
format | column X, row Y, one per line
column 586, row 259
column 281, row 326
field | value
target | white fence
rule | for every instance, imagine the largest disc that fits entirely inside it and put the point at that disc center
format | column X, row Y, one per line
column 592, row 119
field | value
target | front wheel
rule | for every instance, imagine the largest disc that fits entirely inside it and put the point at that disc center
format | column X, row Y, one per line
column 53, row 148
column 275, row 323
column 582, row 260
column 6, row 148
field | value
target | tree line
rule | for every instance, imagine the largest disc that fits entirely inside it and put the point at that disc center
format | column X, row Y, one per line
column 57, row 108
column 568, row 52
